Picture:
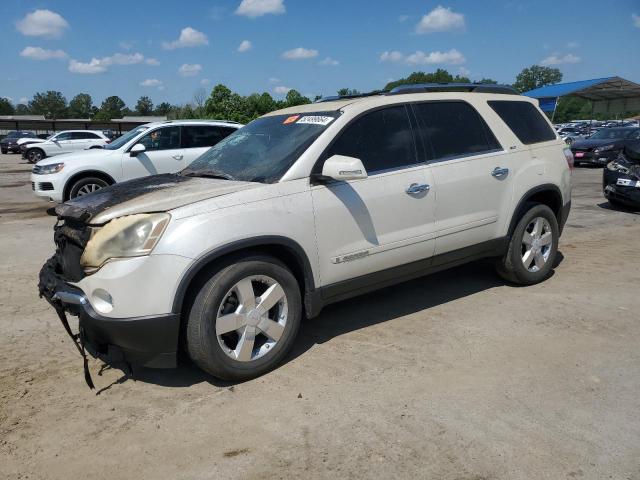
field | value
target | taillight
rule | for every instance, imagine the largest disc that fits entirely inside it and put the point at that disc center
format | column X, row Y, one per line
column 568, row 155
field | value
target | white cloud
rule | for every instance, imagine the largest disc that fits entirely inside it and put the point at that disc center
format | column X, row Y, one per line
column 151, row 82
column 189, row 37
column 258, row 8
column 23, row 100
column 573, row 45
column 190, row 69
column 37, row 53
column 403, row 18
column 154, row 62
column 392, row 56
column 635, row 18
column 299, row 54
column 126, row 45
column 329, row 62
column 452, row 57
column 42, row 23
column 274, row 80
column 205, row 81
column 557, row 59
column 244, row 46
column 440, row 19
column 100, row 65
column 281, row 90
column 464, row 71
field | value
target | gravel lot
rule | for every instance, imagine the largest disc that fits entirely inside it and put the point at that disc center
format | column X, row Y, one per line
column 454, row 376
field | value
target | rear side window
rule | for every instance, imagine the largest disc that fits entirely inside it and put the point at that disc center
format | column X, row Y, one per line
column 381, row 139
column 195, row 136
column 524, row 120
column 454, row 129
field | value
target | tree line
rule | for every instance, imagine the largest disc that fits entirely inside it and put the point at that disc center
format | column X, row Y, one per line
column 222, row 103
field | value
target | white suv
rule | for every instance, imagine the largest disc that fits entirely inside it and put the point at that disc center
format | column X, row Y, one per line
column 163, row 147
column 304, row 207
column 64, row 142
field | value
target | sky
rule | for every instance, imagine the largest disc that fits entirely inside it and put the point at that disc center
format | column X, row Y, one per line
column 168, row 50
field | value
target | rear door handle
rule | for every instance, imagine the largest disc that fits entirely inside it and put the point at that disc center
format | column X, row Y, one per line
column 178, row 157
column 415, row 188
column 500, row 172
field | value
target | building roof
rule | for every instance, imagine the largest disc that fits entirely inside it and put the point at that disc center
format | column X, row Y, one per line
column 139, row 119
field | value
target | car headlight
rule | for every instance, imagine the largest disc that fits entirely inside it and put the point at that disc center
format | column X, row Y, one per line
column 130, row 236
column 605, row 148
column 47, row 169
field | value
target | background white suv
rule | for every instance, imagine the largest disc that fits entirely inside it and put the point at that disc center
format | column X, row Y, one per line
column 163, row 147
column 64, row 142
column 304, row 207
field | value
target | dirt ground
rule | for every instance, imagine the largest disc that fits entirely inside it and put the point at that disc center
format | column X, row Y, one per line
column 454, row 376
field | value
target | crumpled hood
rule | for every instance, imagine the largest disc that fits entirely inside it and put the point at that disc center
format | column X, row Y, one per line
column 158, row 193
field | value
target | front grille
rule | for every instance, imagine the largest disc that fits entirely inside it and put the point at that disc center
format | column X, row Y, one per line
column 33, row 186
column 45, row 186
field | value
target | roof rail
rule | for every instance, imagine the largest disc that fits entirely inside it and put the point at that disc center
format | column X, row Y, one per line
column 347, row 97
column 453, row 87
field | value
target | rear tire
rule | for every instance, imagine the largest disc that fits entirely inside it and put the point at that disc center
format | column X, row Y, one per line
column 532, row 248
column 35, row 155
column 244, row 319
column 86, row 185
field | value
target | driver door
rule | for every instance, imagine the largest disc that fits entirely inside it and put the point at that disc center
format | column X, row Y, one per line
column 163, row 154
column 61, row 143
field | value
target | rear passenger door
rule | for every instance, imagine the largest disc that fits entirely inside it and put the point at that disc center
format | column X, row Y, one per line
column 197, row 139
column 471, row 172
column 373, row 224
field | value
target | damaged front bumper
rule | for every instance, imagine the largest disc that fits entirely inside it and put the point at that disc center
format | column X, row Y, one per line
column 621, row 183
column 149, row 341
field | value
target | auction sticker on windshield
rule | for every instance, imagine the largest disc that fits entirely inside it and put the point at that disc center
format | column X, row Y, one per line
column 316, row 120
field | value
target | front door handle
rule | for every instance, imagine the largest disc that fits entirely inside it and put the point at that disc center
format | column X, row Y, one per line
column 500, row 172
column 416, row 188
column 178, row 157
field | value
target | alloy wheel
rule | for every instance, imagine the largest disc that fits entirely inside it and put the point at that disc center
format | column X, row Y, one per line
column 251, row 318
column 537, row 241
column 87, row 189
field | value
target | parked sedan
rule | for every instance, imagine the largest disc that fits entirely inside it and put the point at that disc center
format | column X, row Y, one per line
column 603, row 146
column 570, row 134
column 65, row 142
column 10, row 142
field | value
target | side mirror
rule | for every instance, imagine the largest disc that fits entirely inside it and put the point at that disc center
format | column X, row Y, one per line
column 342, row 168
column 136, row 149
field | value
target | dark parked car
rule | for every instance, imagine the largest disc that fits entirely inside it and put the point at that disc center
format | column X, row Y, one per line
column 603, row 146
column 621, row 178
column 9, row 143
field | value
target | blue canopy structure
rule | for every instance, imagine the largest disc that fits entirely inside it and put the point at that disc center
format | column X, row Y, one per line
column 608, row 94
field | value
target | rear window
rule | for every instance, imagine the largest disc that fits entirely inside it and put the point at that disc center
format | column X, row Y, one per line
column 524, row 120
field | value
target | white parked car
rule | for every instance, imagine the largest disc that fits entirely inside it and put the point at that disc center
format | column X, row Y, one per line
column 304, row 207
column 162, row 147
column 64, row 142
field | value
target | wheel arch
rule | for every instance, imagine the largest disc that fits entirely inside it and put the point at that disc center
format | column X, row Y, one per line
column 286, row 250
column 82, row 174
column 547, row 194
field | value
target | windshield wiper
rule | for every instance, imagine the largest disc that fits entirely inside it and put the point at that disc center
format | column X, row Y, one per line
column 209, row 174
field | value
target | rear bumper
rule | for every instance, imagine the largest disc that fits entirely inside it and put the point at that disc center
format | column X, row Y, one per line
column 150, row 341
column 595, row 158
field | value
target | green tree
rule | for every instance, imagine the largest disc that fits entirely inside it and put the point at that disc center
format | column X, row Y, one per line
column 348, row 91
column 487, row 81
column 536, row 76
column 144, row 106
column 294, row 98
column 81, row 106
column 439, row 76
column 22, row 109
column 6, row 108
column 112, row 107
column 163, row 109
column 225, row 104
column 51, row 104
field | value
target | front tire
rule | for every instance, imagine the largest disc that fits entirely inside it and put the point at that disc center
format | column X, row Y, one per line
column 244, row 319
column 35, row 155
column 85, row 186
column 532, row 248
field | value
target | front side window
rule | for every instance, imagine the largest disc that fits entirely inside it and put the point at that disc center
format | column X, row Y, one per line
column 63, row 136
column 525, row 121
column 167, row 138
column 198, row 136
column 124, row 139
column 454, row 129
column 382, row 140
column 263, row 150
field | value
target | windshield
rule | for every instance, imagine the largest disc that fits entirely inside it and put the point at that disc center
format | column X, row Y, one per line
column 119, row 142
column 263, row 150
column 611, row 133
